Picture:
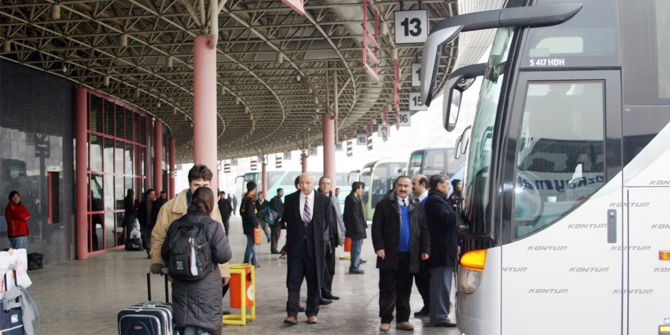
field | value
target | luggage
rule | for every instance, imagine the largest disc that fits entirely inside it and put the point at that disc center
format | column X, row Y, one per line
column 134, row 241
column 11, row 320
column 35, row 261
column 149, row 318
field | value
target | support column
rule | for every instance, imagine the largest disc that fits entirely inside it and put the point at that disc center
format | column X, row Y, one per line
column 204, row 106
column 81, row 176
column 329, row 147
column 173, row 167
column 303, row 161
column 147, row 166
column 158, row 156
column 264, row 176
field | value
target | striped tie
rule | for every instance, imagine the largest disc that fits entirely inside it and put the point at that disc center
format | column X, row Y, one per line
column 306, row 214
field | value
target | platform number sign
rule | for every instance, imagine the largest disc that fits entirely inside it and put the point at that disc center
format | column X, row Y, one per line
column 411, row 26
column 416, row 103
column 405, row 119
column 361, row 139
column 416, row 75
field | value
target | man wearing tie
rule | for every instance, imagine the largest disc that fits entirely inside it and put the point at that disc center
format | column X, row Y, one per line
column 307, row 215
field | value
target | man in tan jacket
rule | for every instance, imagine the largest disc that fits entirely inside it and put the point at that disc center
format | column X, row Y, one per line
column 198, row 176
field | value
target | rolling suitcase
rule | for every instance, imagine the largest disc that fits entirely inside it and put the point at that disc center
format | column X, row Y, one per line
column 148, row 318
column 11, row 318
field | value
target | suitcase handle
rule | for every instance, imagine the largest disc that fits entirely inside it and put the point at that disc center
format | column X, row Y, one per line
column 164, row 272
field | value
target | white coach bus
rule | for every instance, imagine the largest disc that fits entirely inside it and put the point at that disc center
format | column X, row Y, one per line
column 568, row 174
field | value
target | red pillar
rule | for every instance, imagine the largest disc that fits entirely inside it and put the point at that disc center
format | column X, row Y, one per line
column 173, row 167
column 303, row 161
column 147, row 165
column 329, row 148
column 264, row 176
column 81, row 176
column 158, row 156
column 204, row 106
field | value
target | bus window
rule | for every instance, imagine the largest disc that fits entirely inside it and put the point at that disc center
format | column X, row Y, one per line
column 435, row 162
column 415, row 162
column 663, row 47
column 273, row 177
column 289, row 179
column 560, row 160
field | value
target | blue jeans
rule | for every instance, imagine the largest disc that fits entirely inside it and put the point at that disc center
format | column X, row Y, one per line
column 250, row 251
column 356, row 246
column 440, row 284
column 19, row 242
column 193, row 331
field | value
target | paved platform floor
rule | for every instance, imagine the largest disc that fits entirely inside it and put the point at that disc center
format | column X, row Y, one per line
column 83, row 297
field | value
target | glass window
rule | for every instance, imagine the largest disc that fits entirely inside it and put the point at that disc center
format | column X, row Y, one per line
column 109, row 118
column 108, row 151
column 289, row 179
column 96, row 114
column 273, row 178
column 560, row 160
column 435, row 162
column 118, row 158
column 120, row 122
column 110, row 224
column 136, row 128
column 95, row 153
column 128, row 135
column 143, row 130
column 415, row 162
column 479, row 158
column 119, row 192
column 128, row 156
column 663, row 46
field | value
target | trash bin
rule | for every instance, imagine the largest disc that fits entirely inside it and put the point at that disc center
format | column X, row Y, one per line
column 236, row 286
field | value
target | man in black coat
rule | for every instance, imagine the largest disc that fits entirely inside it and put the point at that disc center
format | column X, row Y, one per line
column 146, row 215
column 444, row 240
column 354, row 221
column 278, row 206
column 401, row 240
column 307, row 214
column 225, row 208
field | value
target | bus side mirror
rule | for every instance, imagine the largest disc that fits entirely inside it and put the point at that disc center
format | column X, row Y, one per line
column 459, row 81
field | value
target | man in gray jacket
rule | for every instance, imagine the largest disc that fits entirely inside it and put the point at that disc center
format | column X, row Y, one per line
column 336, row 233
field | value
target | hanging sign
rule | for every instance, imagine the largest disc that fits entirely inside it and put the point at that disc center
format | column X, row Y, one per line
column 411, row 26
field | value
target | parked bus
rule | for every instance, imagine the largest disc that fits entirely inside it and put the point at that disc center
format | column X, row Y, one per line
column 378, row 177
column 433, row 161
column 567, row 172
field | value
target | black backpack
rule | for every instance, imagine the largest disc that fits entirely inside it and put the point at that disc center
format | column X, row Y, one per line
column 189, row 252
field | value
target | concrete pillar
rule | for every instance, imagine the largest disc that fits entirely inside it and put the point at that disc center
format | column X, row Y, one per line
column 264, row 176
column 204, row 106
column 303, row 161
column 173, row 167
column 158, row 156
column 329, row 147
column 81, row 176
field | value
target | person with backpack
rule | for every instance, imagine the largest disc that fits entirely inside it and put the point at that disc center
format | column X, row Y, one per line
column 249, row 223
column 194, row 246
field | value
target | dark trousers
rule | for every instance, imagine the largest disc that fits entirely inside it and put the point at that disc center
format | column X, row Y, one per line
column 422, row 281
column 226, row 225
column 395, row 288
column 328, row 273
column 276, row 235
column 146, row 239
column 299, row 268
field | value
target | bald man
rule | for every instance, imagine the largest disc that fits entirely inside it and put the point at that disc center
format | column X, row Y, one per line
column 308, row 216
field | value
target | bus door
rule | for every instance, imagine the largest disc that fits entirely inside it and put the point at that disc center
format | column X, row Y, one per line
column 561, row 213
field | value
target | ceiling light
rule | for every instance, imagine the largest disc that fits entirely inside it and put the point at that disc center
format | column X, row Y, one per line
column 64, row 68
column 174, row 111
column 6, row 46
column 124, row 40
column 106, row 81
column 298, row 78
column 137, row 92
column 158, row 104
column 223, row 90
column 55, row 12
column 280, row 58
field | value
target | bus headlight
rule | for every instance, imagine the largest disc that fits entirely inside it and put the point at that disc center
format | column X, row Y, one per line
column 471, row 270
column 468, row 279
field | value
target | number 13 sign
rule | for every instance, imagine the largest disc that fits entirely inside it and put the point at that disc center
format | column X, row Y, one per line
column 411, row 26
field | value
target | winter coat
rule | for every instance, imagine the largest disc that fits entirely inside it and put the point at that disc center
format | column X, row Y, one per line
column 248, row 212
column 295, row 228
column 225, row 208
column 17, row 220
column 386, row 233
column 172, row 210
column 443, row 230
column 199, row 303
column 354, row 218
column 278, row 206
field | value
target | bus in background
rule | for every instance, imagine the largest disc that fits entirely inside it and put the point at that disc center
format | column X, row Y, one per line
column 567, row 172
column 433, row 161
column 378, row 177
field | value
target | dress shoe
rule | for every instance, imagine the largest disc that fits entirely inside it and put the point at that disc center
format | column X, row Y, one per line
column 274, row 252
column 385, row 327
column 323, row 301
column 291, row 320
column 362, row 261
column 404, row 326
column 312, row 320
column 301, row 309
column 331, row 297
column 425, row 311
column 356, row 272
column 440, row 324
column 226, row 312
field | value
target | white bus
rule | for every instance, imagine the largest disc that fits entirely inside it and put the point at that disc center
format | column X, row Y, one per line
column 567, row 191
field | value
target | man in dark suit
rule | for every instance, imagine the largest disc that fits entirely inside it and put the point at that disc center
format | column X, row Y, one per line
column 401, row 240
column 307, row 215
column 225, row 208
column 444, row 239
column 354, row 220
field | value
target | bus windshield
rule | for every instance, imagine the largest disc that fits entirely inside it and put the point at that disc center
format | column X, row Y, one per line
column 415, row 162
column 479, row 158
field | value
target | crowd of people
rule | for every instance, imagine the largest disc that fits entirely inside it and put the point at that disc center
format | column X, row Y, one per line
column 414, row 235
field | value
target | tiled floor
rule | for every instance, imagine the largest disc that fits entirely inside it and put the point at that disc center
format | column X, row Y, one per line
column 83, row 297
